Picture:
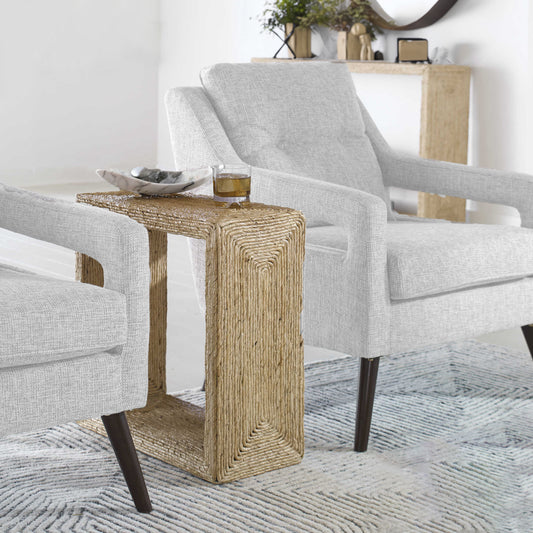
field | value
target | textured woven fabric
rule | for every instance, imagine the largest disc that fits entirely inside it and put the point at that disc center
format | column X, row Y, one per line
column 43, row 395
column 460, row 314
column 452, row 179
column 197, row 136
column 44, row 319
column 426, row 259
column 296, row 118
column 432, row 258
column 120, row 245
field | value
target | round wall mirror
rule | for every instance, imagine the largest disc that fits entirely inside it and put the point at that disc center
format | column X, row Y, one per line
column 409, row 14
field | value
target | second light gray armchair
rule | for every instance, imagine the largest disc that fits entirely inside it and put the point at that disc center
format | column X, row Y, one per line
column 376, row 283
column 68, row 350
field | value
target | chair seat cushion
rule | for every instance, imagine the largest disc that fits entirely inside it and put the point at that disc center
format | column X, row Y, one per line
column 427, row 258
column 44, row 319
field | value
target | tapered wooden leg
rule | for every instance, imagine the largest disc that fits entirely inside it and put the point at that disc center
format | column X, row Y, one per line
column 367, row 387
column 528, row 335
column 119, row 434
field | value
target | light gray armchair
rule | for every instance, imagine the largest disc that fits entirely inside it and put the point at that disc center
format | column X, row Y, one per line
column 376, row 283
column 69, row 350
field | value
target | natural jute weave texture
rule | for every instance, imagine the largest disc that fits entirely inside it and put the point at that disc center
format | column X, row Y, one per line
column 253, row 419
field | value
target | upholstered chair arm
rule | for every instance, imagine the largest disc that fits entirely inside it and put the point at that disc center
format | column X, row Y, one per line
column 118, row 243
column 362, row 275
column 329, row 203
column 451, row 179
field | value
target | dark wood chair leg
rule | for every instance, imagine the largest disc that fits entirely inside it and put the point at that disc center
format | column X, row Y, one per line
column 367, row 387
column 119, row 434
column 528, row 335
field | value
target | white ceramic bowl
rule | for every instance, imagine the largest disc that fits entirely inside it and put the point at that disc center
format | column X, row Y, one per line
column 189, row 179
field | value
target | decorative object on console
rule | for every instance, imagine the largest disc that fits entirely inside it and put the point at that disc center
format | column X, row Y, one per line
column 289, row 15
column 441, row 56
column 366, row 48
column 412, row 50
column 298, row 41
column 155, row 182
column 352, row 22
column 341, row 17
column 349, row 44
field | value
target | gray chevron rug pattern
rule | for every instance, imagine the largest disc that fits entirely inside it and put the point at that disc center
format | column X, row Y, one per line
column 451, row 451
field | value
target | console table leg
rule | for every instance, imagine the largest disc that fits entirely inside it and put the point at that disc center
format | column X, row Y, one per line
column 444, row 133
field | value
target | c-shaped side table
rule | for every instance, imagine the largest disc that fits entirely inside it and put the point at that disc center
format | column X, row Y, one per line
column 253, row 418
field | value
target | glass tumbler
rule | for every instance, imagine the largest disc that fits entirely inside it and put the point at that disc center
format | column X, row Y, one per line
column 231, row 183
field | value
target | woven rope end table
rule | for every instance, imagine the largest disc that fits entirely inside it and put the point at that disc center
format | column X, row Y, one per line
column 253, row 416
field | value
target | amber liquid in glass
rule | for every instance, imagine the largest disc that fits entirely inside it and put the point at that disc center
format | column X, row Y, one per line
column 232, row 186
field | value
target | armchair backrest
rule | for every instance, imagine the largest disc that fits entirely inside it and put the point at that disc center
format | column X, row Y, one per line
column 300, row 118
column 197, row 137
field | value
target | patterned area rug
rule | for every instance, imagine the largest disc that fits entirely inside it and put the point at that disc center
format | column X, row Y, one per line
column 451, row 451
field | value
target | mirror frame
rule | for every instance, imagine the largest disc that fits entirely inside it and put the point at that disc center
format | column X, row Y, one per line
column 440, row 9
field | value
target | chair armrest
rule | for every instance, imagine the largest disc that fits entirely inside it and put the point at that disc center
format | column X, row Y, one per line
column 118, row 243
column 359, row 279
column 452, row 179
column 355, row 211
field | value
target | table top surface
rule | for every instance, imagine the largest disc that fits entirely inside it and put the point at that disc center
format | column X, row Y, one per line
column 177, row 213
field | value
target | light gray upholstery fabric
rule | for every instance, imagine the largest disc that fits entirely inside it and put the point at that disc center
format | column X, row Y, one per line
column 347, row 298
column 432, row 258
column 439, row 177
column 44, row 319
column 296, row 118
column 426, row 259
column 48, row 394
column 120, row 245
column 460, row 314
column 197, row 137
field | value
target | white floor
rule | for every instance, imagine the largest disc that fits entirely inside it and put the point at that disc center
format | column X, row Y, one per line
column 185, row 334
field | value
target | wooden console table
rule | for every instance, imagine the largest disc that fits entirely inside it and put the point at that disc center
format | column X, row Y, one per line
column 443, row 121
column 253, row 419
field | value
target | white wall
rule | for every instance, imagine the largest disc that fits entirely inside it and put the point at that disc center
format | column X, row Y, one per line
column 529, row 108
column 195, row 34
column 78, row 88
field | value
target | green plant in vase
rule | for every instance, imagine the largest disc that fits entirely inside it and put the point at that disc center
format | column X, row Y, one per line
column 289, row 15
column 352, row 20
column 340, row 15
